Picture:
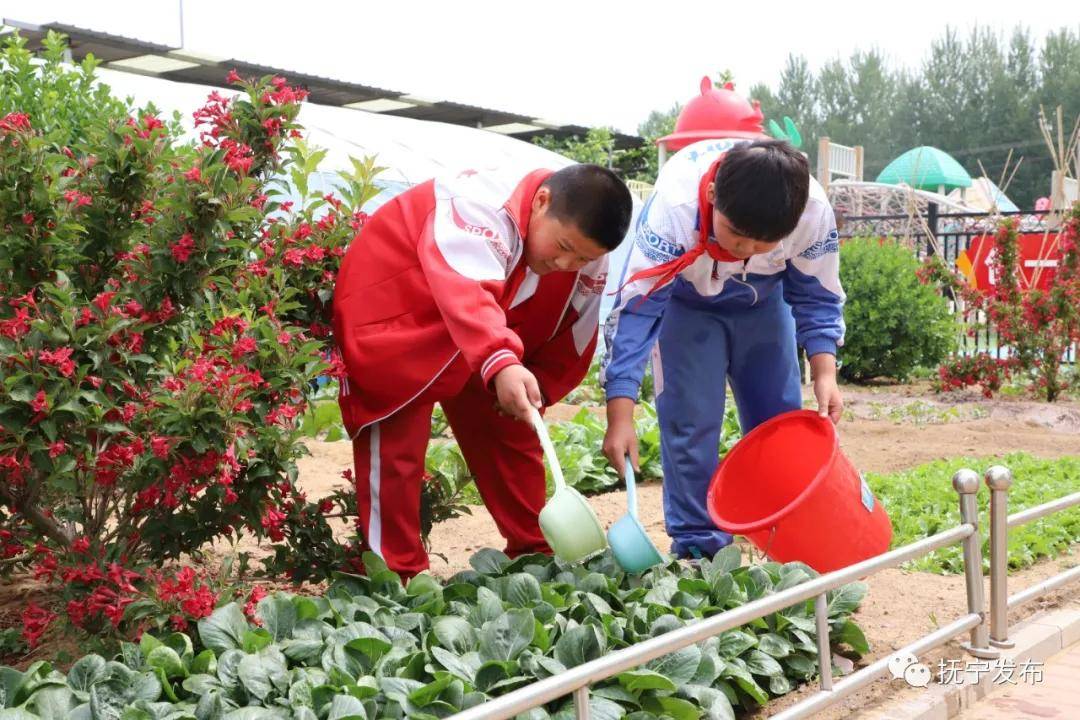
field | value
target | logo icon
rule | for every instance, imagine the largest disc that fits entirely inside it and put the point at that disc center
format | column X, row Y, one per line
column 906, row 667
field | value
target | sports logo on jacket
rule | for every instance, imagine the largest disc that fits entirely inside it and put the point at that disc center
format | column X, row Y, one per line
column 491, row 237
column 828, row 244
column 650, row 243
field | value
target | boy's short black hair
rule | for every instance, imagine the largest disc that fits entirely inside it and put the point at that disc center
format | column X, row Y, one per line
column 594, row 199
column 761, row 188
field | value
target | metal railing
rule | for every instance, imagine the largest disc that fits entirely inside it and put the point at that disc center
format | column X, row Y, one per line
column 983, row 641
column 999, row 479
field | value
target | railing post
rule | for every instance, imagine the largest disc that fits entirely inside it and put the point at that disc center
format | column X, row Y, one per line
column 581, row 703
column 966, row 483
column 932, row 227
column 821, row 618
column 999, row 479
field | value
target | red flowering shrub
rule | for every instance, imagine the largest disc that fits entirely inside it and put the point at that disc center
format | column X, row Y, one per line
column 163, row 314
column 1035, row 327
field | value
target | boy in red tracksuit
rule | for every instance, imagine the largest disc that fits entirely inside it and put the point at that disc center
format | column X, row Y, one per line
column 481, row 293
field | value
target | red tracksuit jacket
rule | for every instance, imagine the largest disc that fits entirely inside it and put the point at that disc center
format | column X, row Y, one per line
column 436, row 282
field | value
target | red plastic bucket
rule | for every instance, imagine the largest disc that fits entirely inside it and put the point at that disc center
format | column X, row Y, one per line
column 789, row 489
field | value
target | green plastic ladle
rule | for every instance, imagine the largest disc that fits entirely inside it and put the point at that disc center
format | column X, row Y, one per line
column 568, row 522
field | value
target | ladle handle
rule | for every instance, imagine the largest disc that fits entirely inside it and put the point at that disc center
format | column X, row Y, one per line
column 549, row 449
column 631, row 489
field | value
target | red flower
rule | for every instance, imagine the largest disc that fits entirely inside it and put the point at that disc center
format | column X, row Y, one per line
column 28, row 218
column 200, row 604
column 159, row 446
column 181, row 249
column 81, row 545
column 233, row 77
column 35, row 621
column 258, row 268
column 272, row 522
column 150, row 124
column 238, row 156
column 272, row 125
column 294, row 257
column 122, row 577
column 103, row 299
column 194, row 174
column 77, row 612
column 77, row 198
column 16, row 327
column 243, row 346
column 57, row 448
column 44, row 568
column 40, row 403
column 257, row 593
column 60, row 359
column 15, row 121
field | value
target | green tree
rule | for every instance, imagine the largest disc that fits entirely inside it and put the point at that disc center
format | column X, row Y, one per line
column 796, row 97
column 598, row 148
column 976, row 97
column 1020, row 86
column 942, row 118
column 658, row 124
column 874, row 99
column 770, row 106
column 834, row 102
column 1059, row 68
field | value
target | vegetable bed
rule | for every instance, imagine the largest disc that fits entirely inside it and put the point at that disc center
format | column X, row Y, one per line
column 372, row 647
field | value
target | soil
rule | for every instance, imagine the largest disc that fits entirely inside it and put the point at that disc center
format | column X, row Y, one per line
column 884, row 429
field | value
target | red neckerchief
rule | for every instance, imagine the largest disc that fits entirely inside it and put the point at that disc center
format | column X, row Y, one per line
column 667, row 272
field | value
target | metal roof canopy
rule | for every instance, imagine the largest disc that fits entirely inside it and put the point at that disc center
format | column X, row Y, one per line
column 118, row 52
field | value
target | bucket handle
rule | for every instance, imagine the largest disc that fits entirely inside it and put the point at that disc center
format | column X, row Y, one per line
column 768, row 544
column 631, row 490
column 549, row 449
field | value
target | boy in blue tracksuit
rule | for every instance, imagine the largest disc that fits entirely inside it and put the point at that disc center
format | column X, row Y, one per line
column 731, row 303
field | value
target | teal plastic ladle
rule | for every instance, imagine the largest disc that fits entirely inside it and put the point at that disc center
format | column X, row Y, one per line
column 631, row 545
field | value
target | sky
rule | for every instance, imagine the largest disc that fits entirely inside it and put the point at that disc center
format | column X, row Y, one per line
column 570, row 62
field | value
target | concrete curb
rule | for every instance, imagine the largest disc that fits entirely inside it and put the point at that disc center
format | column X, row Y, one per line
column 1037, row 639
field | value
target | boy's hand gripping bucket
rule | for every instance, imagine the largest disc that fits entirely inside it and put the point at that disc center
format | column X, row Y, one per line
column 790, row 490
column 567, row 520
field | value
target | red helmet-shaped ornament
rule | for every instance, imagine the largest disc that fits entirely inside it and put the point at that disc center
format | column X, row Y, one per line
column 715, row 113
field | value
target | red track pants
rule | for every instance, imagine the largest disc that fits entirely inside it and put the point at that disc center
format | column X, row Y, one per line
column 503, row 454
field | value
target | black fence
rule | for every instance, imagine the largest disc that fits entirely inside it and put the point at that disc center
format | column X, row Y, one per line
column 949, row 234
